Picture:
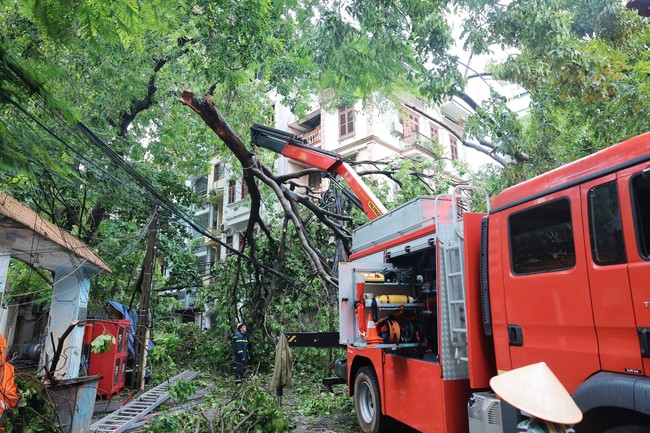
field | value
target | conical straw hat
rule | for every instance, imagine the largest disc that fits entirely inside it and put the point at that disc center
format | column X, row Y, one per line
column 535, row 390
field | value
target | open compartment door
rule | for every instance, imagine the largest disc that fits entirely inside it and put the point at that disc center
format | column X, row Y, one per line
column 349, row 299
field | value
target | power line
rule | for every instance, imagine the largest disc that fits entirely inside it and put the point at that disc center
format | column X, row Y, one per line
column 156, row 195
column 82, row 157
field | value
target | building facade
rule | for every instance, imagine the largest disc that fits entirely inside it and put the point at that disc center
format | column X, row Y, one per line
column 357, row 133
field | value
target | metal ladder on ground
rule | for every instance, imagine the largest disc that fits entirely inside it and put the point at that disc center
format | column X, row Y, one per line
column 127, row 416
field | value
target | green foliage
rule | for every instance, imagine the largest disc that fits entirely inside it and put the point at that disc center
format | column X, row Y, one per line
column 164, row 306
column 35, row 413
column 181, row 390
column 182, row 346
column 161, row 354
column 102, row 343
column 175, row 422
column 248, row 407
column 121, row 21
column 267, row 417
column 26, row 285
column 185, row 273
column 315, row 401
column 294, row 301
column 370, row 46
column 581, row 63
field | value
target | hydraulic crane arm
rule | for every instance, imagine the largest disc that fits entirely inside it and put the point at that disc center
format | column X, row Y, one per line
column 295, row 148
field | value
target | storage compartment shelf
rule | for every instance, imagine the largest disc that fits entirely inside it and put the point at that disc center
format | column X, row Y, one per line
column 371, row 285
column 381, row 306
column 393, row 345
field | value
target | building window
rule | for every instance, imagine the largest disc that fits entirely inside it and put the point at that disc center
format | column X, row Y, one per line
column 201, row 263
column 244, row 189
column 314, row 180
column 640, row 185
column 346, row 121
column 453, row 148
column 201, row 185
column 411, row 125
column 218, row 171
column 605, row 226
column 215, row 216
column 232, row 190
column 229, row 240
column 209, row 260
column 541, row 238
column 203, row 221
column 435, row 134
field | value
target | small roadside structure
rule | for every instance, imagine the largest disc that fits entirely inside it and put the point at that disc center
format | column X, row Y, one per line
column 27, row 236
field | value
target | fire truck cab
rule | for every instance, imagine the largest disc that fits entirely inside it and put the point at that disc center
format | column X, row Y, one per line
column 436, row 300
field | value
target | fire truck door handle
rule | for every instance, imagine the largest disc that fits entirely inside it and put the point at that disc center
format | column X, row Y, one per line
column 515, row 335
column 644, row 340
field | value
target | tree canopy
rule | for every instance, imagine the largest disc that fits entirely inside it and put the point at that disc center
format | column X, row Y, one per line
column 585, row 66
column 91, row 90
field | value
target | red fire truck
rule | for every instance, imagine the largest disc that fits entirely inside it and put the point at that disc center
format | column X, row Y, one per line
column 436, row 300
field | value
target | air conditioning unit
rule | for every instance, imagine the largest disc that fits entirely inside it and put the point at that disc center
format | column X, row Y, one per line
column 225, row 229
column 484, row 411
column 397, row 129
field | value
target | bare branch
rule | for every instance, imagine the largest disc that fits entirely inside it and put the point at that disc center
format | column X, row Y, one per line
column 297, row 174
column 289, row 212
column 322, row 216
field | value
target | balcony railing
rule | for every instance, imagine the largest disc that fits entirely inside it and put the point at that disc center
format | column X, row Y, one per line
column 312, row 137
column 216, row 232
column 418, row 140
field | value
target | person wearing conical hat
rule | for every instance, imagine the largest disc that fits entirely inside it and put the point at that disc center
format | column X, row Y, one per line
column 538, row 393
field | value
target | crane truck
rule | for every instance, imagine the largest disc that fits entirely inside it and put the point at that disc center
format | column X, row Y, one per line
column 436, row 299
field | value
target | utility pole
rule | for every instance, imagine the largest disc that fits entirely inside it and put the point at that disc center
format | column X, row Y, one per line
column 144, row 318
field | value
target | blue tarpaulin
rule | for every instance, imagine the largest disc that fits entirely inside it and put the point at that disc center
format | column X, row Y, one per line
column 133, row 318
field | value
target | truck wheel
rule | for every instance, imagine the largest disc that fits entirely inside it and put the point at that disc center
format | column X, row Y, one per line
column 367, row 402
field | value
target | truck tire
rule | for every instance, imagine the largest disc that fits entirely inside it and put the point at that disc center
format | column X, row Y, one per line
column 367, row 401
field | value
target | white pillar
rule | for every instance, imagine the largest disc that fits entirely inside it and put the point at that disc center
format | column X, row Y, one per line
column 5, row 257
column 69, row 303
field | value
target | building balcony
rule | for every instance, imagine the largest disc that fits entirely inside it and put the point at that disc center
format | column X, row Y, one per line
column 235, row 215
column 418, row 143
column 218, row 188
column 216, row 232
column 313, row 137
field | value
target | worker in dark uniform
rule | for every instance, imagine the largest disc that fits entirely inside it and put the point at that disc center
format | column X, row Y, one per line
column 240, row 349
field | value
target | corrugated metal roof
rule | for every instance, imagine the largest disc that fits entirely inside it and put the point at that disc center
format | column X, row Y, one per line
column 34, row 239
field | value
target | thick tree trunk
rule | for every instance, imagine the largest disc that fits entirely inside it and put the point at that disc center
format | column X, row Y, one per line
column 204, row 106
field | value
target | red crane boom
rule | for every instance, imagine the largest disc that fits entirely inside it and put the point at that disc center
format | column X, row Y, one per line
column 293, row 147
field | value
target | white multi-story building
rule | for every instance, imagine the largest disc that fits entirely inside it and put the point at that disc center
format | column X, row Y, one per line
column 356, row 133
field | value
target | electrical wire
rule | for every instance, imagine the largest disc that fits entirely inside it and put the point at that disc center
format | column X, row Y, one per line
column 156, row 196
column 82, row 157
